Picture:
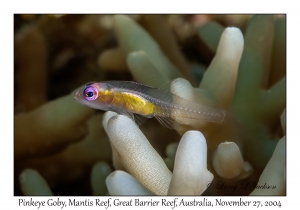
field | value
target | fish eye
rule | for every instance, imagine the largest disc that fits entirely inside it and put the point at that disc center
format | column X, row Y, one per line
column 90, row 93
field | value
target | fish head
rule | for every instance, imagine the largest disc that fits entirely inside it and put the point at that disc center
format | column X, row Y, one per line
column 94, row 95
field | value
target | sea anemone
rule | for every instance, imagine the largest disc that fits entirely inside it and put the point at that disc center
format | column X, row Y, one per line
column 64, row 142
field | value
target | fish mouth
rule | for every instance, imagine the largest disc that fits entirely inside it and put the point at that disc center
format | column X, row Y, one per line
column 77, row 95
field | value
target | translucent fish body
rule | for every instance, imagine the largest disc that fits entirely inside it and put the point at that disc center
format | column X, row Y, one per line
column 131, row 99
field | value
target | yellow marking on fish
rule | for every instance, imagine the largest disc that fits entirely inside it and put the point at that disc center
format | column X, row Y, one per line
column 129, row 101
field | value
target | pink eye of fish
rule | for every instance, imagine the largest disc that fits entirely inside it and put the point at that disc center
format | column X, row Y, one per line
column 90, row 93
